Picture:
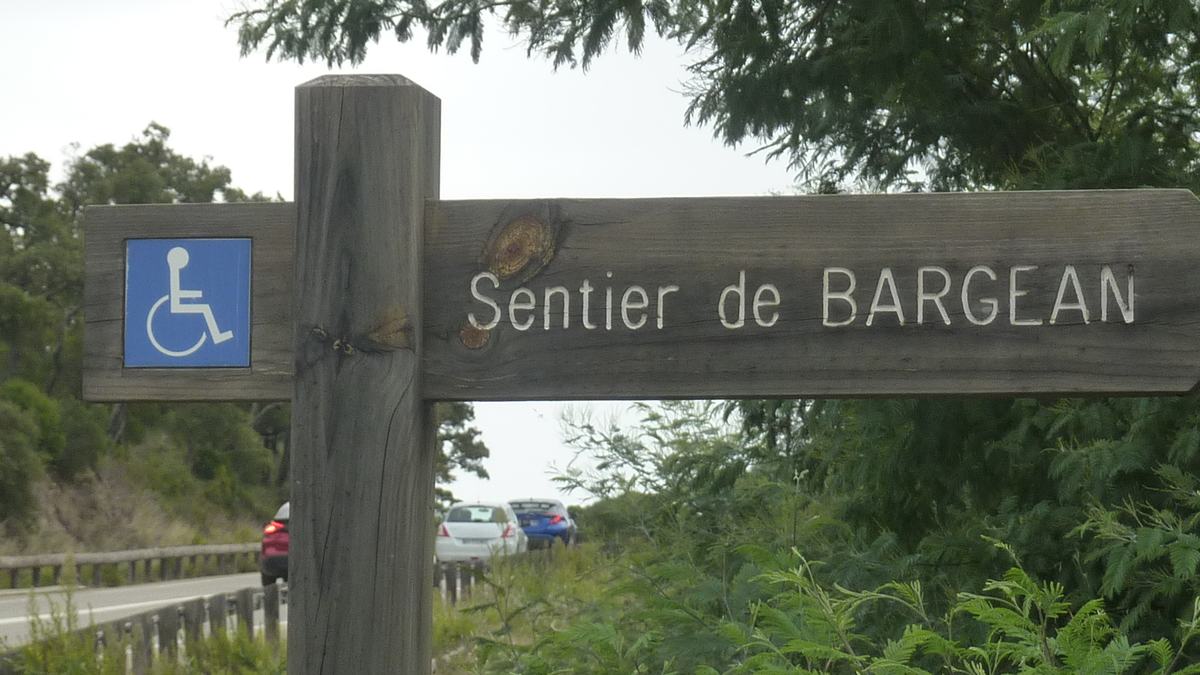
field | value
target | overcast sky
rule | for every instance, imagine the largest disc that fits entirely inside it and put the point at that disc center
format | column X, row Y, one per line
column 97, row 71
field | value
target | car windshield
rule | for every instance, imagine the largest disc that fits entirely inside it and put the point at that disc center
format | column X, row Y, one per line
column 537, row 507
column 476, row 514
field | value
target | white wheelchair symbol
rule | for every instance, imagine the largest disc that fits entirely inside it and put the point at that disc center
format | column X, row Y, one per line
column 177, row 259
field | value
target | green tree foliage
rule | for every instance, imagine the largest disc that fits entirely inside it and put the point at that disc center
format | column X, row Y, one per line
column 1061, row 94
column 707, row 540
column 19, row 465
column 236, row 453
column 459, row 446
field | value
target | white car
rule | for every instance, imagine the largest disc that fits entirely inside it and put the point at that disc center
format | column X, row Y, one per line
column 478, row 531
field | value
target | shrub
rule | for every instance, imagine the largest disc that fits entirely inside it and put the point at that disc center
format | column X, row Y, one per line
column 19, row 464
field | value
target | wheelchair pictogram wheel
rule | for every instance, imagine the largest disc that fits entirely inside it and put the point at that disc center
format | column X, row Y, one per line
column 154, row 341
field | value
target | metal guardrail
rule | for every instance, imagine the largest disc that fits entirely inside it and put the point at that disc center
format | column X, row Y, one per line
column 160, row 633
column 163, row 632
column 224, row 559
column 457, row 581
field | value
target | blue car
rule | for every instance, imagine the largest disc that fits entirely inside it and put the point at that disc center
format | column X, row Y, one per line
column 545, row 521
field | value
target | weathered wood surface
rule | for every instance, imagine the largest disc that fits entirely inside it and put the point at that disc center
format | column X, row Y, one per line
column 701, row 246
column 271, row 226
column 362, row 457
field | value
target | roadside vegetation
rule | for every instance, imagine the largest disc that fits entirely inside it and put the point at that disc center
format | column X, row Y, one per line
column 58, row 644
column 713, row 552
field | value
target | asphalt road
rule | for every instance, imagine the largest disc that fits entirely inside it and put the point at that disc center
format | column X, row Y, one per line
column 97, row 605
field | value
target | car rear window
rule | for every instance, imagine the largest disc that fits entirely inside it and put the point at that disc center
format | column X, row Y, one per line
column 538, row 507
column 476, row 514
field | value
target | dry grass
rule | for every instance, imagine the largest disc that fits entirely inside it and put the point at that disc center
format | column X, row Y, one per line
column 107, row 511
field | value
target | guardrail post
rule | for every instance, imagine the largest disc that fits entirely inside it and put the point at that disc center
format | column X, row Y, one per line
column 13, row 577
column 218, row 613
column 168, row 631
column 478, row 570
column 193, row 620
column 111, row 638
column 143, row 643
column 452, row 583
column 271, row 614
column 363, row 436
column 245, row 611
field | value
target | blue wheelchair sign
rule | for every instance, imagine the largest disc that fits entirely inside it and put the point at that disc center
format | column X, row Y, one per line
column 187, row 303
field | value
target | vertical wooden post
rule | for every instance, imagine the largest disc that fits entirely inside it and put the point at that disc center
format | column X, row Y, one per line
column 168, row 631
column 193, row 621
column 367, row 152
column 218, row 613
column 143, row 643
column 245, row 611
column 452, row 583
column 271, row 614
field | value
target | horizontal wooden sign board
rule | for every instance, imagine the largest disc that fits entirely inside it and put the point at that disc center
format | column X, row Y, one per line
column 879, row 295
column 843, row 295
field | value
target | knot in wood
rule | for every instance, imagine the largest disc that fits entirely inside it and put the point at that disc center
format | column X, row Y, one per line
column 473, row 337
column 391, row 332
column 520, row 248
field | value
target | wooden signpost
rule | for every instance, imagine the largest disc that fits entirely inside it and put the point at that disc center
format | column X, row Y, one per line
column 369, row 299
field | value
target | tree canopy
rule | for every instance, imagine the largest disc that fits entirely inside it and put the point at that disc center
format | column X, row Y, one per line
column 891, row 94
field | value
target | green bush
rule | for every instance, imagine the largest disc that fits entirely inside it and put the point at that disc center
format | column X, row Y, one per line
column 50, row 439
column 19, row 463
column 84, row 427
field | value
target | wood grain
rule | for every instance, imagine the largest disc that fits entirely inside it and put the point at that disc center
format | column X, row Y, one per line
column 701, row 245
column 360, row 558
column 271, row 226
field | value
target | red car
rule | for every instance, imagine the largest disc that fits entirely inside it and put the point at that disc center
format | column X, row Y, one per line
column 272, row 562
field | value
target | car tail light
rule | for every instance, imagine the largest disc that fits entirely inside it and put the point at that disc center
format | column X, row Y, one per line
column 556, row 520
column 274, row 526
column 508, row 532
column 443, row 532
